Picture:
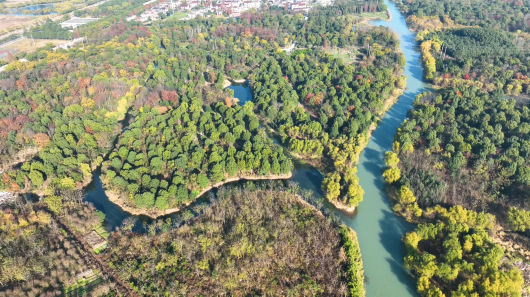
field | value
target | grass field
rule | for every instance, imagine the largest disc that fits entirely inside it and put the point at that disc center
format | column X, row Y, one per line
column 374, row 15
column 177, row 16
column 345, row 54
column 16, row 1
column 27, row 46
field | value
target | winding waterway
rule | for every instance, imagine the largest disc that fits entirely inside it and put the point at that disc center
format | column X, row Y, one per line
column 378, row 229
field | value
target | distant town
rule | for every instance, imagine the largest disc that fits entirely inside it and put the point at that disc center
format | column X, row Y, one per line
column 156, row 9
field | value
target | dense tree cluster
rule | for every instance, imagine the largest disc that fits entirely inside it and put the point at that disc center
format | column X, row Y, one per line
column 166, row 160
column 474, row 142
column 488, row 59
column 246, row 242
column 56, row 104
column 324, row 108
column 65, row 112
column 505, row 15
column 467, row 144
column 49, row 30
column 453, row 255
column 341, row 8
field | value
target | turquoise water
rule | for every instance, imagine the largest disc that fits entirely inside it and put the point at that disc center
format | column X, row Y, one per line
column 378, row 229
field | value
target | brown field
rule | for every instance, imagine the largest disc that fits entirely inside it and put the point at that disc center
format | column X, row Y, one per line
column 26, row 44
column 7, row 21
column 15, row 1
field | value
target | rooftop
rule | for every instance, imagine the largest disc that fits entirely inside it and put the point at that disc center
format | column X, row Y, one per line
column 79, row 21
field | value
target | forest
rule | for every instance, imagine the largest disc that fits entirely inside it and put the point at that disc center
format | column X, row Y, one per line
column 505, row 15
column 487, row 59
column 459, row 166
column 324, row 109
column 247, row 241
column 49, row 30
column 465, row 147
column 40, row 258
column 148, row 105
column 70, row 124
column 453, row 255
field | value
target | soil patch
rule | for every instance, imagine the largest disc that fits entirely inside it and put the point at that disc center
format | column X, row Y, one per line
column 8, row 21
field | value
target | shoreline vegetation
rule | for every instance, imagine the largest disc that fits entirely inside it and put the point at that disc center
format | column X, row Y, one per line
column 154, row 213
column 350, row 243
column 228, row 81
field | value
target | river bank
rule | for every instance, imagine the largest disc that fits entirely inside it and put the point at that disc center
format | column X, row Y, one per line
column 118, row 200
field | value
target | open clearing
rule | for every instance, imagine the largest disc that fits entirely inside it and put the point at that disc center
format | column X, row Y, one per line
column 26, row 44
column 348, row 55
column 176, row 16
column 7, row 21
column 374, row 15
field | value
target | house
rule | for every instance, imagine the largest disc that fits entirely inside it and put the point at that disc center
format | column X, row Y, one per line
column 298, row 6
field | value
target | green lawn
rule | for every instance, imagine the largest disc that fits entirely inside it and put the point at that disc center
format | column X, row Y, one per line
column 177, row 16
column 343, row 53
column 79, row 288
column 375, row 15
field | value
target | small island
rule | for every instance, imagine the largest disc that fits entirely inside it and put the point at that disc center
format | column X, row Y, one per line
column 165, row 161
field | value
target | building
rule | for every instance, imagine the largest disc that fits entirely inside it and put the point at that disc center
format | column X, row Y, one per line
column 76, row 22
column 298, row 6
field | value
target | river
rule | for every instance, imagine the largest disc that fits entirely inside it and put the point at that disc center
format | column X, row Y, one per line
column 378, row 229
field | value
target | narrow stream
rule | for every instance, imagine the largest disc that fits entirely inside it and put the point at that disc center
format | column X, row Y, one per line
column 378, row 229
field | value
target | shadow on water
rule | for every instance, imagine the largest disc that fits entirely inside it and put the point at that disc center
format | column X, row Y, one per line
column 390, row 236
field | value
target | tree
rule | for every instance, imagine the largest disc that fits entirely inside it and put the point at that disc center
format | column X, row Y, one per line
column 406, row 196
column 161, row 202
column 392, row 175
column 391, row 159
column 202, row 180
column 331, row 186
column 36, row 178
column 54, row 204
column 518, row 219
column 66, row 183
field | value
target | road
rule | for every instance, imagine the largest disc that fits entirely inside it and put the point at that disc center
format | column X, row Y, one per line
column 12, row 41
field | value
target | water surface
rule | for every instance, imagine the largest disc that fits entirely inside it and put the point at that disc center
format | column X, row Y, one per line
column 378, row 229
column 241, row 92
column 34, row 10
